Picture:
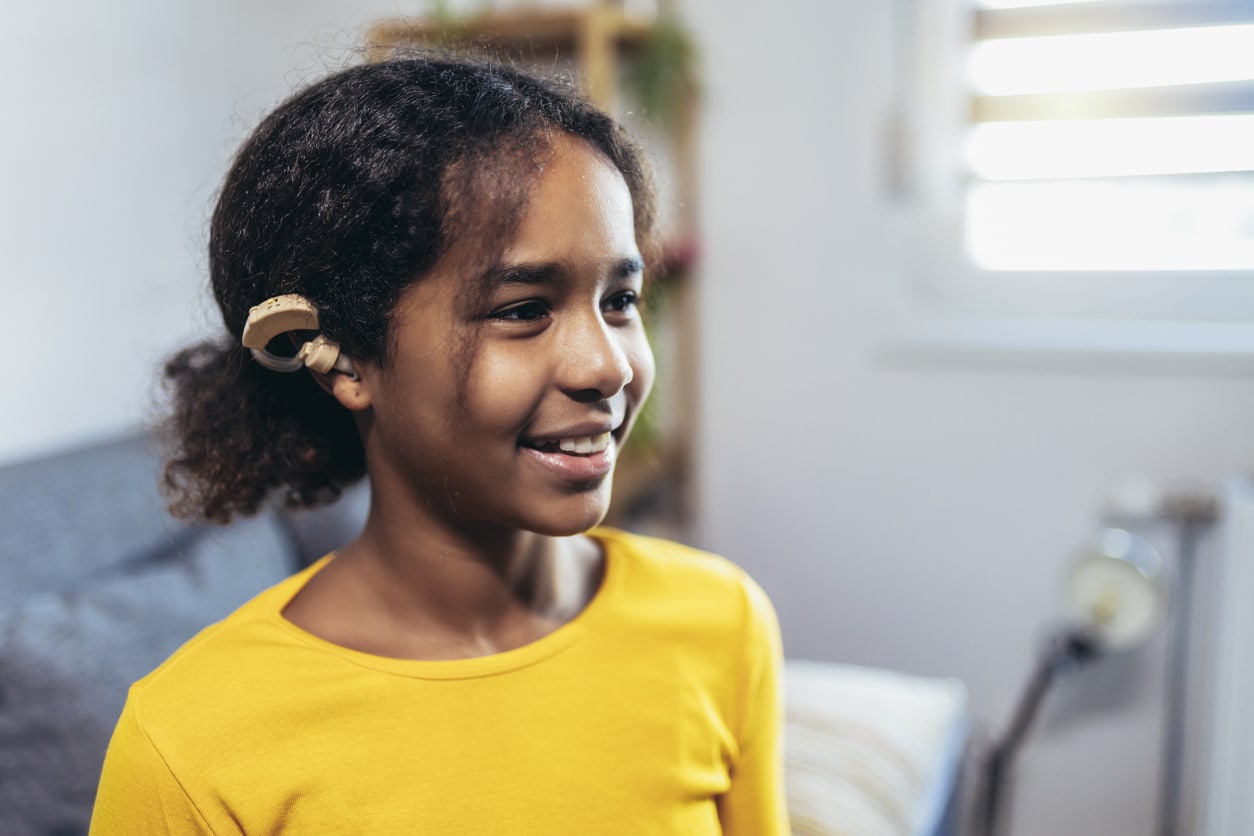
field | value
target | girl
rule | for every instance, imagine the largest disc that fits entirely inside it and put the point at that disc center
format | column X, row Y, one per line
column 430, row 274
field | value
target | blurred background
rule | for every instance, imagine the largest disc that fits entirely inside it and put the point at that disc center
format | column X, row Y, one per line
column 941, row 318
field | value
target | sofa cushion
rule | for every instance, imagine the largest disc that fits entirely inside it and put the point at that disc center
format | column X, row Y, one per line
column 75, row 516
column 326, row 529
column 67, row 659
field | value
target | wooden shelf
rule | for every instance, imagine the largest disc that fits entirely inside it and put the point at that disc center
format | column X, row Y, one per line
column 595, row 37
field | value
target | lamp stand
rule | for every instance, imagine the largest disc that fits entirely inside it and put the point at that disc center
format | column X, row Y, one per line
column 1066, row 651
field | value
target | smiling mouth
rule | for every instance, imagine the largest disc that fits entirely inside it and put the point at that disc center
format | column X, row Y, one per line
column 586, row 445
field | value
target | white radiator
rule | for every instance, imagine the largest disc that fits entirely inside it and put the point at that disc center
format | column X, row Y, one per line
column 1227, row 769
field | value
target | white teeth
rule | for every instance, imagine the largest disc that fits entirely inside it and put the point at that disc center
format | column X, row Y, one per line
column 585, row 444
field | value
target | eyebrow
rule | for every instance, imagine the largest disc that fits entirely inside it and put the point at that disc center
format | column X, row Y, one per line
column 543, row 273
column 629, row 266
column 550, row 272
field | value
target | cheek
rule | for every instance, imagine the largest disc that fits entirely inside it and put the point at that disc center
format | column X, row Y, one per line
column 502, row 388
column 640, row 357
column 415, row 398
column 412, row 410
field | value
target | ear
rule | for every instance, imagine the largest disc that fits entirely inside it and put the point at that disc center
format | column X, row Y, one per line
column 351, row 390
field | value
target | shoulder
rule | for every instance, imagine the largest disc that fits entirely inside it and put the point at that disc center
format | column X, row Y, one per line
column 655, row 557
column 706, row 585
column 702, row 617
column 222, row 657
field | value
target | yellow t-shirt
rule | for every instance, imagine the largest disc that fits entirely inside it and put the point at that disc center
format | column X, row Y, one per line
column 656, row 710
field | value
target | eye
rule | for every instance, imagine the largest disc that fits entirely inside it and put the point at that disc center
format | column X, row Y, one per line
column 623, row 302
column 528, row 311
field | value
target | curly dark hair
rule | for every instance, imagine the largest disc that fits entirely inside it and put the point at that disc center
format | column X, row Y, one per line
column 347, row 193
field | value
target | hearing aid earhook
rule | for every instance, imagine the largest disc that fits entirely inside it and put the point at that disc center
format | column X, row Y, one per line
column 284, row 314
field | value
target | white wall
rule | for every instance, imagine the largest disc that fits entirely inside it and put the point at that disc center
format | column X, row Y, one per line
column 120, row 120
column 107, row 154
column 909, row 516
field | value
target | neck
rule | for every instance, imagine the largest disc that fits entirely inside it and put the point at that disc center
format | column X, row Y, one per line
column 475, row 581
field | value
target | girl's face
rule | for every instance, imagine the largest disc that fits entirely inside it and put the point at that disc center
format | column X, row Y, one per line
column 513, row 413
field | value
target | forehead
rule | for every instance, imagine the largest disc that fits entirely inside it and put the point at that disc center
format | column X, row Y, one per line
column 577, row 205
column 546, row 192
column 575, row 212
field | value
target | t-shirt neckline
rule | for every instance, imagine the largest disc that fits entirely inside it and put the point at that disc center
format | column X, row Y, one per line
column 472, row 667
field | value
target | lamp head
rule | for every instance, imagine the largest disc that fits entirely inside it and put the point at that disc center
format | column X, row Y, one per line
column 1116, row 589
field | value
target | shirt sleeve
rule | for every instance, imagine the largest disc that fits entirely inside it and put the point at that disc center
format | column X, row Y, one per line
column 755, row 805
column 138, row 794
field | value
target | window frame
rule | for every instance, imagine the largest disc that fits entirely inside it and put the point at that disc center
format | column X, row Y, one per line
column 1204, row 319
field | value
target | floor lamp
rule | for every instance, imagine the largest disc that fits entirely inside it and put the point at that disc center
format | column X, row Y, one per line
column 1115, row 598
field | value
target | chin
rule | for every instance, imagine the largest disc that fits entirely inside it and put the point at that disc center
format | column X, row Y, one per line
column 570, row 517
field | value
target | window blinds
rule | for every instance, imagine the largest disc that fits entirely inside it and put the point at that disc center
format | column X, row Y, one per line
column 1111, row 135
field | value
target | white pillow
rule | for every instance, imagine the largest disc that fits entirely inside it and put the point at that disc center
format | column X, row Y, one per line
column 870, row 752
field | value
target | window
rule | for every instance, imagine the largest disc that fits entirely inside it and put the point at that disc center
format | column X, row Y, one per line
column 1112, row 136
column 1087, row 159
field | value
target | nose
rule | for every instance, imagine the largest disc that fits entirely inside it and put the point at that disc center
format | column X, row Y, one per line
column 594, row 361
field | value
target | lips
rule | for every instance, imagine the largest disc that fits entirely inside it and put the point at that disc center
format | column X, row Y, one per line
column 582, row 454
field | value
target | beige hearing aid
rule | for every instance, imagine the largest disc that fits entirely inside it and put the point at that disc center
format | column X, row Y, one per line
column 284, row 314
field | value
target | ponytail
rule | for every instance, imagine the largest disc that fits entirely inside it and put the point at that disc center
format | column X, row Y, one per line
column 238, row 432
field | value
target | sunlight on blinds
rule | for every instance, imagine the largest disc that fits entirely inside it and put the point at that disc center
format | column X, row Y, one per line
column 1100, row 147
column 1111, row 147
column 1163, row 224
column 1018, row 4
column 1108, row 60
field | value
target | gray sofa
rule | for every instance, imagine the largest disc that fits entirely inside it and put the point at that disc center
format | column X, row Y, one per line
column 98, row 584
